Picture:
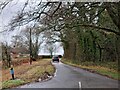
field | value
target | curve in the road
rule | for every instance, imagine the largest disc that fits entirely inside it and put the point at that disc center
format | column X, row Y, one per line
column 72, row 77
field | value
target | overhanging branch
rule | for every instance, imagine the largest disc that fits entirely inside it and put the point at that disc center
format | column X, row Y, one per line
column 96, row 27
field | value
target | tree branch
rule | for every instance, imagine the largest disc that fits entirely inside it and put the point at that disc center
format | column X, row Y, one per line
column 96, row 27
column 57, row 8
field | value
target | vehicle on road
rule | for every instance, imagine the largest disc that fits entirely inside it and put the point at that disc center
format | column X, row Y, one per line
column 55, row 59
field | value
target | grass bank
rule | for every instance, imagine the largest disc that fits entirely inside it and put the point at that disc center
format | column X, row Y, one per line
column 26, row 73
column 107, row 69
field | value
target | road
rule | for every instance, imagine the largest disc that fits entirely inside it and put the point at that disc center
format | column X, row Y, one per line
column 71, row 77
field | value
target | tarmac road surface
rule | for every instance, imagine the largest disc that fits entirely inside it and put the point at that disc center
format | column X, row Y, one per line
column 71, row 77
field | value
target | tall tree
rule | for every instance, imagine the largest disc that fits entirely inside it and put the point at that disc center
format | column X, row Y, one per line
column 6, row 57
column 85, row 28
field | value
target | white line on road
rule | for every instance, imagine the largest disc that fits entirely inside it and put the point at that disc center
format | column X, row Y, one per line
column 80, row 85
column 55, row 73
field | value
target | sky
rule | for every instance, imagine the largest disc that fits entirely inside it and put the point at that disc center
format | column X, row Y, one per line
column 8, row 13
column 13, row 7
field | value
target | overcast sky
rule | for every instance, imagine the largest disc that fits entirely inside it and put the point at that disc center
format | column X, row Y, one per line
column 8, row 13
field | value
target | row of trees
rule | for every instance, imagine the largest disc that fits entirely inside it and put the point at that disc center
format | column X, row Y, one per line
column 30, row 39
column 89, row 31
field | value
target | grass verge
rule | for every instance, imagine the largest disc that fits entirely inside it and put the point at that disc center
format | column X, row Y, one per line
column 94, row 68
column 26, row 73
column 12, row 83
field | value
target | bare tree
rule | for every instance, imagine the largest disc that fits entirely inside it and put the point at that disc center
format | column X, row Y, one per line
column 74, row 21
column 17, row 41
column 3, row 4
column 6, row 57
column 33, row 40
column 51, row 47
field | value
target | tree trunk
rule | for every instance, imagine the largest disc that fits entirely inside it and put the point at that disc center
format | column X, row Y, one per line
column 94, row 47
column 74, row 52
column 30, row 48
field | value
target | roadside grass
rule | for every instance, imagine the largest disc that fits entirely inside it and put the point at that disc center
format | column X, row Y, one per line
column 102, row 69
column 26, row 73
column 12, row 83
